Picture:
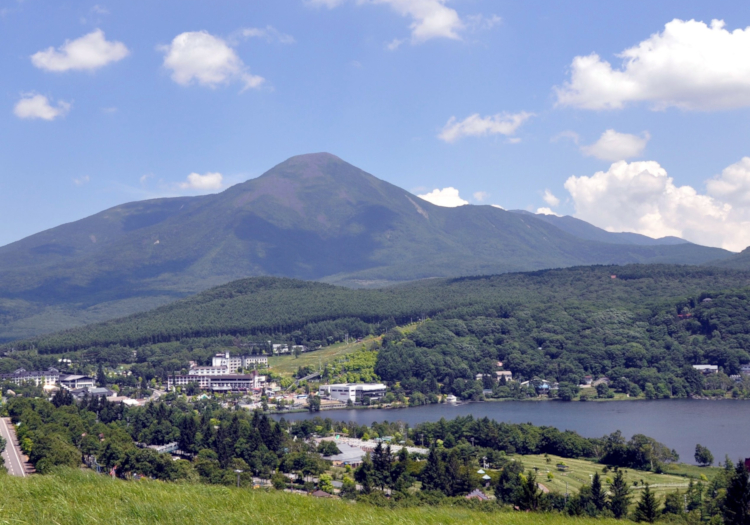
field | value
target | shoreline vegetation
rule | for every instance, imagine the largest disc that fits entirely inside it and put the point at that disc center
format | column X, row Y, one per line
column 515, row 466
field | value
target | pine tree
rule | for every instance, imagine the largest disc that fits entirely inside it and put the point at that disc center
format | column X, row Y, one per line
column 738, row 497
column 619, row 498
column 434, row 475
column 101, row 377
column 597, row 494
column 648, row 507
column 382, row 462
column 530, row 493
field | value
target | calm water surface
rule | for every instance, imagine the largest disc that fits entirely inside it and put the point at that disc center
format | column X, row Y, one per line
column 722, row 426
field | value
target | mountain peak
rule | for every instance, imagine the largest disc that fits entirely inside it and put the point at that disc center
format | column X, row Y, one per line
column 305, row 166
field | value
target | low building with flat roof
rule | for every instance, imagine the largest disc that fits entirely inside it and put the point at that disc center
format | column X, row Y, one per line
column 354, row 392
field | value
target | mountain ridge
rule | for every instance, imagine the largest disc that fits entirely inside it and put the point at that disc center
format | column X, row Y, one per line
column 313, row 217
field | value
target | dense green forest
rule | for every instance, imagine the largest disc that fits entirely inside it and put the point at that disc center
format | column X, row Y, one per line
column 642, row 326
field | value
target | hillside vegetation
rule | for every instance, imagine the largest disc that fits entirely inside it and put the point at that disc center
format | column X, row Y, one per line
column 73, row 498
column 643, row 326
column 310, row 217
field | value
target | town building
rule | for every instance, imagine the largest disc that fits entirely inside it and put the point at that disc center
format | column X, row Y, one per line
column 354, row 392
column 73, row 382
column 39, row 378
column 218, row 383
column 707, row 369
column 234, row 363
column 209, row 371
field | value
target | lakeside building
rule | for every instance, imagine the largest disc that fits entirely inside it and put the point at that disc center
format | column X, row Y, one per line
column 234, row 363
column 47, row 377
column 74, row 382
column 219, row 383
column 354, row 392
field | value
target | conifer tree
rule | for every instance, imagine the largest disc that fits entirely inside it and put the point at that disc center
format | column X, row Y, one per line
column 738, row 497
column 619, row 498
column 530, row 493
column 648, row 507
column 597, row 494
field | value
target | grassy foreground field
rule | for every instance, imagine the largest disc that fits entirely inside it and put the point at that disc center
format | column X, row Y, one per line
column 78, row 498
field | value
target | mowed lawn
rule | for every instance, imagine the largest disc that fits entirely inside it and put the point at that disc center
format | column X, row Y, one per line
column 579, row 472
column 81, row 498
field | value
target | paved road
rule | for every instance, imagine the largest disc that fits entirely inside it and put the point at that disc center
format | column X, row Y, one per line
column 12, row 454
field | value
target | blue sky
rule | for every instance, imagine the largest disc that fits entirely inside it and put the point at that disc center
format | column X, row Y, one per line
column 488, row 102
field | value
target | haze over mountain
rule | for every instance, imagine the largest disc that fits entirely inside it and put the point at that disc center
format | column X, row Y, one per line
column 310, row 217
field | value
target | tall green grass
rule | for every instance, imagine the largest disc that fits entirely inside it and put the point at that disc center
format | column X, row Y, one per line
column 80, row 498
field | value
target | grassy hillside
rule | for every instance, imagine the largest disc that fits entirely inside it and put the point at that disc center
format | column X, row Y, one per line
column 73, row 498
column 310, row 217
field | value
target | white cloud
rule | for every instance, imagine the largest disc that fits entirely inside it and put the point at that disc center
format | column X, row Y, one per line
column 689, row 65
column 195, row 181
column 394, row 44
column 547, row 211
column 480, row 196
column 430, row 18
column 733, row 185
column 482, row 23
column 200, row 57
column 33, row 106
column 567, row 134
column 641, row 197
column 477, row 126
column 268, row 33
column 91, row 51
column 614, row 146
column 80, row 181
column 330, row 4
column 447, row 197
column 550, row 199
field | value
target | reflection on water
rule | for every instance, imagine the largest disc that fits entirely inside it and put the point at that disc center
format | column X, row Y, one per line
column 722, row 426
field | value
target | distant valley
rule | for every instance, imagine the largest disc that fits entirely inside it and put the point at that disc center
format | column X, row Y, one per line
column 312, row 217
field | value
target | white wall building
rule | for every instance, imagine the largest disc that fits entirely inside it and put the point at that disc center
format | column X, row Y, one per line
column 353, row 392
column 209, row 371
column 72, row 382
column 234, row 363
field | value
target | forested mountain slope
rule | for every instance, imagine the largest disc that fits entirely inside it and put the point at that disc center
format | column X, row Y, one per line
column 644, row 323
column 311, row 217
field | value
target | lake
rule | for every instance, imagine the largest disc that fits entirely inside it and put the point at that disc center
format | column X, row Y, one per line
column 722, row 426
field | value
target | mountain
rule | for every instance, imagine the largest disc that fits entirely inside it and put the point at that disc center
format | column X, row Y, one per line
column 739, row 261
column 311, row 217
column 589, row 232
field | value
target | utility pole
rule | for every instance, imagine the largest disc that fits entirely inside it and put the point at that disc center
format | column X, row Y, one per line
column 238, row 471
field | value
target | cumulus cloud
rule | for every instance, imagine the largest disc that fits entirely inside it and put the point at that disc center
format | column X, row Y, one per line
column 641, row 197
column 430, row 18
column 268, row 33
column 200, row 57
column 480, row 196
column 208, row 181
column 733, row 185
column 547, row 211
column 90, row 52
column 689, row 65
column 447, row 197
column 80, row 181
column 613, row 145
column 550, row 199
column 478, row 126
column 33, row 106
